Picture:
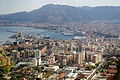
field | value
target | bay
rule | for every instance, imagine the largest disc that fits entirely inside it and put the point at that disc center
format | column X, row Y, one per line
column 7, row 31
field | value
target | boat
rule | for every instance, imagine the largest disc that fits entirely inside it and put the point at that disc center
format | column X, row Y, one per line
column 46, row 37
column 80, row 37
column 68, row 33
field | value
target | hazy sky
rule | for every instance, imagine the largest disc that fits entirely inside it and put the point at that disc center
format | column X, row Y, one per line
column 11, row 6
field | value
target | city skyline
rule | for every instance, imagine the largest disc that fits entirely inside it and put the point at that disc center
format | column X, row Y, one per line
column 7, row 6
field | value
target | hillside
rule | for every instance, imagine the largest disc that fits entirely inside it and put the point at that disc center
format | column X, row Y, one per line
column 61, row 13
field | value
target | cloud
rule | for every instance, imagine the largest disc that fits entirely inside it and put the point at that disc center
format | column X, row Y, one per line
column 10, row 6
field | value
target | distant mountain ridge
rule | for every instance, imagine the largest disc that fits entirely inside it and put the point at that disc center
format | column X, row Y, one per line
column 61, row 13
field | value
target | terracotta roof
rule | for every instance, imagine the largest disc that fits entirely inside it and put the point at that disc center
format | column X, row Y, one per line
column 112, row 71
column 62, row 74
column 80, row 77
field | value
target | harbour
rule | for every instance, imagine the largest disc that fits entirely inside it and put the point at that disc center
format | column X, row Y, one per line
column 9, row 31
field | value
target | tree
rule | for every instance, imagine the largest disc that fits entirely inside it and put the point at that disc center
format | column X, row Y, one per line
column 118, row 69
column 90, row 67
column 7, row 68
column 13, row 78
column 117, row 75
column 1, row 51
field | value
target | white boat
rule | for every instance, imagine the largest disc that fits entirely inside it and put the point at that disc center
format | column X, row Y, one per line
column 79, row 37
column 68, row 33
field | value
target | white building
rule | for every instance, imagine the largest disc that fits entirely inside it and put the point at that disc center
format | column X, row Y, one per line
column 52, row 68
column 37, row 59
column 97, row 58
column 80, row 57
column 71, row 76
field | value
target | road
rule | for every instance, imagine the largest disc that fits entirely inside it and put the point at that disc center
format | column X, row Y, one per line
column 94, row 72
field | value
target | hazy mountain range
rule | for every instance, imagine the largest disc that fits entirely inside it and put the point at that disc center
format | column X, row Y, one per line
column 61, row 13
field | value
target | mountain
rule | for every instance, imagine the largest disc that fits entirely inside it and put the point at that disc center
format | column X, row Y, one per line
column 61, row 13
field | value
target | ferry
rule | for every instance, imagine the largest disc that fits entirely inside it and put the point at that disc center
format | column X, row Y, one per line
column 68, row 33
column 42, row 37
column 80, row 37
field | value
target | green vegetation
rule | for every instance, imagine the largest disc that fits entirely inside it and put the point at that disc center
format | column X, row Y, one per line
column 61, row 66
column 106, row 55
column 97, row 64
column 104, row 67
column 7, row 68
column 13, row 78
column 13, row 64
column 1, row 51
column 116, row 62
column 47, row 74
column 90, row 67
column 1, row 69
column 117, row 75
